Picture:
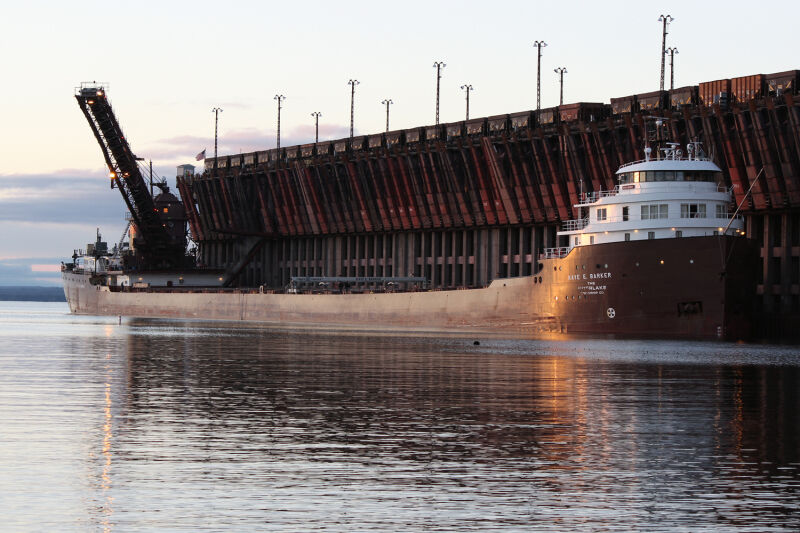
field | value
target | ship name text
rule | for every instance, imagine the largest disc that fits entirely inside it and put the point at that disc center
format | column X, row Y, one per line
column 598, row 275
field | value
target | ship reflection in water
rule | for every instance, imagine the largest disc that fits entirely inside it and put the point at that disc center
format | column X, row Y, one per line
column 189, row 427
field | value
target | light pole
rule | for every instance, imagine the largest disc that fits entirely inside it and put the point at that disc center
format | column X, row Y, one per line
column 539, row 45
column 467, row 89
column 666, row 19
column 316, row 115
column 671, row 51
column 280, row 98
column 561, row 71
column 352, row 84
column 438, row 65
column 387, row 103
column 216, row 111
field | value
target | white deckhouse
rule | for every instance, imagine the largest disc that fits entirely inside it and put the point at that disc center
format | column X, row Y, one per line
column 673, row 195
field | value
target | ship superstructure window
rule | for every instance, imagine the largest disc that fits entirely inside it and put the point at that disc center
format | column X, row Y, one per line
column 693, row 210
column 722, row 211
column 653, row 211
column 651, row 234
column 670, row 175
column 625, row 210
column 602, row 214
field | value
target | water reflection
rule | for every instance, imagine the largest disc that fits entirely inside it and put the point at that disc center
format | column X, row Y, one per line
column 177, row 426
column 350, row 429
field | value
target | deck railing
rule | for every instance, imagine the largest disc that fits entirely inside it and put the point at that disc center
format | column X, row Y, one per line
column 555, row 253
column 574, row 225
column 592, row 197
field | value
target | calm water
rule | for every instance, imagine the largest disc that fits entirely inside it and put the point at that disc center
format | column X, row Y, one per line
column 173, row 426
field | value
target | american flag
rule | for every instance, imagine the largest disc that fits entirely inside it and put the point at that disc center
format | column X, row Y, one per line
column 201, row 155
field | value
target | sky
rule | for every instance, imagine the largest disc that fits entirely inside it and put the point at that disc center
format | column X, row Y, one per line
column 168, row 63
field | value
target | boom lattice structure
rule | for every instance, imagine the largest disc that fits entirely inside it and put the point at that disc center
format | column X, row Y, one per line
column 156, row 247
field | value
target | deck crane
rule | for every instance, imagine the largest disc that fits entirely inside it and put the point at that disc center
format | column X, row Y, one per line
column 156, row 246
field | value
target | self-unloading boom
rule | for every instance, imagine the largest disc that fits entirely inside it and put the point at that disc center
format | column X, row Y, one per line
column 157, row 248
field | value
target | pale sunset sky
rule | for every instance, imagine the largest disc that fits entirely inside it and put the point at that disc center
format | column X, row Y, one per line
column 168, row 63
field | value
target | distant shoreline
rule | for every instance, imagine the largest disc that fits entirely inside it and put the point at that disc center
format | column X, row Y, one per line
column 32, row 294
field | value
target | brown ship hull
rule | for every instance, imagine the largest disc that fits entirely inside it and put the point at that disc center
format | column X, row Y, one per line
column 699, row 287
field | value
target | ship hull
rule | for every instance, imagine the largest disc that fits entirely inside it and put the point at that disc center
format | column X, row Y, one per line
column 700, row 287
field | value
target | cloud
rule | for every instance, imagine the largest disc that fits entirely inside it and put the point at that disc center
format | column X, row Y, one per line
column 62, row 197
column 46, row 268
column 21, row 272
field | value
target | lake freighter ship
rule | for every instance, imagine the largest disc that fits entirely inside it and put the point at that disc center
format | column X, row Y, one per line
column 659, row 255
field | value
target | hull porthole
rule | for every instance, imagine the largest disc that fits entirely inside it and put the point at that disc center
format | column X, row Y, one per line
column 610, row 312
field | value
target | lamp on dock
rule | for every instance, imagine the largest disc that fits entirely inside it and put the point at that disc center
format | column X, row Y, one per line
column 438, row 65
column 671, row 51
column 216, row 111
column 539, row 45
column 280, row 98
column 352, row 84
column 561, row 71
column 467, row 88
column 316, row 115
column 387, row 103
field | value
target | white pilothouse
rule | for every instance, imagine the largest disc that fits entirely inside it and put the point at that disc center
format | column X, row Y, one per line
column 671, row 195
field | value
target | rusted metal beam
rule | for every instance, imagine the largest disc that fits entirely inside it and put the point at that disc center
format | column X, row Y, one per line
column 542, row 175
column 360, row 196
column 226, row 203
column 433, row 196
column 771, row 172
column 793, row 147
column 521, row 151
column 425, row 209
column 344, row 191
column 520, row 194
column 382, row 192
column 500, row 183
column 191, row 206
column 557, row 181
column 455, row 182
column 308, row 193
column 204, row 207
column 606, row 168
column 262, row 203
column 394, row 165
column 573, row 176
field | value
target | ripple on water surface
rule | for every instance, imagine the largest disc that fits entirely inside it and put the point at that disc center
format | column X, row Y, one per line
column 169, row 425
